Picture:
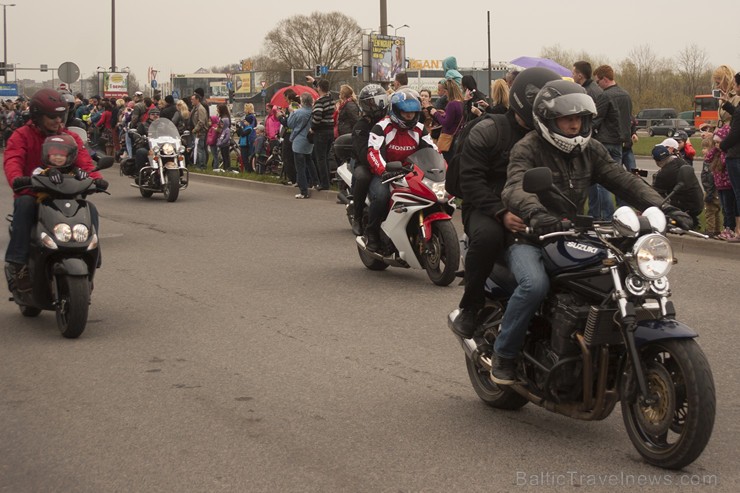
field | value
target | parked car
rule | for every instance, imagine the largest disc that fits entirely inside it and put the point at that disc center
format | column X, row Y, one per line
column 647, row 117
column 688, row 116
column 670, row 127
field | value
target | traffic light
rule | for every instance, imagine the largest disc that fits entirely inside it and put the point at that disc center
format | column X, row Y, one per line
column 317, row 71
column 355, row 70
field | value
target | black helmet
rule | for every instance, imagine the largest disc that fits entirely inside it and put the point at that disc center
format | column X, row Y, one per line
column 525, row 88
column 681, row 135
column 373, row 101
column 47, row 102
column 54, row 146
column 563, row 98
column 408, row 101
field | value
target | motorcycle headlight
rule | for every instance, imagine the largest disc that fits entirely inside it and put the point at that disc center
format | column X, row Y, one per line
column 63, row 232
column 48, row 242
column 80, row 233
column 653, row 256
column 155, row 150
column 168, row 149
column 437, row 187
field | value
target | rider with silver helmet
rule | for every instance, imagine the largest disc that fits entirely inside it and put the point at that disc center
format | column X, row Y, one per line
column 562, row 116
column 23, row 155
column 393, row 138
column 373, row 101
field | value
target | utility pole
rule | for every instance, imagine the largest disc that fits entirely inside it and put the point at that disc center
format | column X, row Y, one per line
column 113, row 36
column 384, row 17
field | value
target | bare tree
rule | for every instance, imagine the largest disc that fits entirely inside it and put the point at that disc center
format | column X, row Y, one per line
column 644, row 61
column 332, row 39
column 693, row 64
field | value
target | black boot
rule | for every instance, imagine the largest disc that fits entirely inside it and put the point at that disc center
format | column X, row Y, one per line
column 356, row 227
column 373, row 241
column 465, row 323
column 503, row 370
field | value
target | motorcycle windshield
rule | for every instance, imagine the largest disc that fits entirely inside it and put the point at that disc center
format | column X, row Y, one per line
column 430, row 162
column 163, row 131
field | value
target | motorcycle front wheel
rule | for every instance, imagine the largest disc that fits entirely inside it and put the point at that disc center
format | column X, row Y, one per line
column 171, row 185
column 73, row 301
column 673, row 431
column 441, row 256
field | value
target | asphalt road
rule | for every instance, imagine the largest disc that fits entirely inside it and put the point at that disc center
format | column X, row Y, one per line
column 236, row 343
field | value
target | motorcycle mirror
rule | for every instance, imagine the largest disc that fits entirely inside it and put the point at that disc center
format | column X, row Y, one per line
column 394, row 166
column 104, row 163
column 537, row 180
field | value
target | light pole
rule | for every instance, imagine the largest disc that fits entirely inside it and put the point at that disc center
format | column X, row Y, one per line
column 5, row 40
column 395, row 29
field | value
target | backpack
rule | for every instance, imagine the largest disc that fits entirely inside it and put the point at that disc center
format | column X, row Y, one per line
column 452, row 177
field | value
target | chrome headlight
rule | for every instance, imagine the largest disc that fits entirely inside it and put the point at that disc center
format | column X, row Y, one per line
column 653, row 256
column 626, row 222
column 155, row 150
column 656, row 218
column 168, row 149
column 80, row 233
column 63, row 232
column 437, row 187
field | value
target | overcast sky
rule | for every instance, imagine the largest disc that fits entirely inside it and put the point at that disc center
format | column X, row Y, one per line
column 180, row 36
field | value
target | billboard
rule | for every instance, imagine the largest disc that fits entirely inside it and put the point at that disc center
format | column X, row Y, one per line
column 115, row 84
column 387, row 57
column 242, row 84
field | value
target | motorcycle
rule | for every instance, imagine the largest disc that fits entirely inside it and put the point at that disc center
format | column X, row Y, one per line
column 606, row 333
column 166, row 172
column 64, row 253
column 418, row 232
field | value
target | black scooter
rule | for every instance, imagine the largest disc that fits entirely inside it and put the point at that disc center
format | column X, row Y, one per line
column 64, row 253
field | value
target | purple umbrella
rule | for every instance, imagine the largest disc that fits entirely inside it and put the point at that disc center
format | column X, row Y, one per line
column 529, row 61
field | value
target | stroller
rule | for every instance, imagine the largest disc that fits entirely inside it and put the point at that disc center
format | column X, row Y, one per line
column 274, row 162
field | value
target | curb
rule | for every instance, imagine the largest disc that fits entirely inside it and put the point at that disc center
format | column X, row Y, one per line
column 681, row 244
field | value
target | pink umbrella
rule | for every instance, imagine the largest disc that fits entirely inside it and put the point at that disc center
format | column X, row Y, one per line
column 278, row 99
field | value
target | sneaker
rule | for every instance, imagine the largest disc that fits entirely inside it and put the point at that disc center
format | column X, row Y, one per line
column 465, row 323
column 301, row 196
column 726, row 234
column 734, row 239
column 356, row 227
column 503, row 371
column 19, row 276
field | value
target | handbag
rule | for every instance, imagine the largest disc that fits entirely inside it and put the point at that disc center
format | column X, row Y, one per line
column 444, row 142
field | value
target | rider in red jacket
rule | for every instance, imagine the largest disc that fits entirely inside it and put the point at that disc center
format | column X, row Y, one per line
column 23, row 155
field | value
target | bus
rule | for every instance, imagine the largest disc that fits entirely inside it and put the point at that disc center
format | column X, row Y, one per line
column 214, row 86
column 705, row 110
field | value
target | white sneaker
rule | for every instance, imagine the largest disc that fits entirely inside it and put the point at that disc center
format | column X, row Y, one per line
column 301, row 196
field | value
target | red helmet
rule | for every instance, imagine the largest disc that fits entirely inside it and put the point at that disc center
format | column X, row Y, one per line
column 48, row 102
column 54, row 146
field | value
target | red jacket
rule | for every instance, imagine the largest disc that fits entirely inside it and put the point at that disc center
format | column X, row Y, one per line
column 23, row 154
column 387, row 143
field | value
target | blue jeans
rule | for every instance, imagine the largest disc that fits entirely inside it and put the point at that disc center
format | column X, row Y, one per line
column 729, row 211
column 214, row 152
column 733, row 169
column 24, row 219
column 525, row 262
column 601, row 200
column 380, row 195
column 321, row 146
column 304, row 171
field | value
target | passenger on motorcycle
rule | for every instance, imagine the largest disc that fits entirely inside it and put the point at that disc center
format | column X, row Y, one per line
column 140, row 142
column 484, row 158
column 23, row 155
column 393, row 138
column 374, row 106
column 562, row 116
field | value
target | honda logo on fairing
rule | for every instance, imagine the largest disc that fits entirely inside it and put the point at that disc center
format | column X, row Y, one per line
column 581, row 247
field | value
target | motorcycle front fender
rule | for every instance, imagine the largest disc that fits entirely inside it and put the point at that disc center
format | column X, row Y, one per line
column 428, row 220
column 71, row 267
column 655, row 330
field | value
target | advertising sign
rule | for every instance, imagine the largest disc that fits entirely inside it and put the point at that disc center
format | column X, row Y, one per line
column 115, row 85
column 242, row 84
column 9, row 90
column 387, row 57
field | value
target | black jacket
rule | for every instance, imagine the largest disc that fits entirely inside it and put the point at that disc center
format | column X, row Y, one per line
column 613, row 122
column 689, row 198
column 168, row 112
column 731, row 143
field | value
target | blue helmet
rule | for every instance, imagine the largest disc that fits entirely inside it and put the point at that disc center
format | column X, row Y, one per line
column 408, row 101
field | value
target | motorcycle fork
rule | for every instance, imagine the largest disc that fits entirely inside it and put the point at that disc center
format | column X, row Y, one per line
column 627, row 311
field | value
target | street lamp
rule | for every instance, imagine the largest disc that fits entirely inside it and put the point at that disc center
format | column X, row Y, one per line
column 395, row 29
column 5, row 40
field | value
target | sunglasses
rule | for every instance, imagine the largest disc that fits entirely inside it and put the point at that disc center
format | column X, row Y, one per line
column 54, row 116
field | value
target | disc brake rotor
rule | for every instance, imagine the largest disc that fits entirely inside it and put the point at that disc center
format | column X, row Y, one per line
column 656, row 418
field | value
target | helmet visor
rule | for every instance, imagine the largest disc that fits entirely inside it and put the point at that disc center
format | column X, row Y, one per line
column 566, row 105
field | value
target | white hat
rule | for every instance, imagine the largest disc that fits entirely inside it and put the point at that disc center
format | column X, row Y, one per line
column 670, row 143
column 138, row 93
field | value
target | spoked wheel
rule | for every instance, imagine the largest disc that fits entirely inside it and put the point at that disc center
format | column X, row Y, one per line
column 171, row 184
column 73, row 301
column 488, row 391
column 672, row 431
column 442, row 254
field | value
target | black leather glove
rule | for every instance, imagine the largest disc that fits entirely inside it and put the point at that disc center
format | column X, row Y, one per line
column 21, row 182
column 543, row 223
column 55, row 176
column 100, row 184
column 387, row 175
column 81, row 174
column 678, row 217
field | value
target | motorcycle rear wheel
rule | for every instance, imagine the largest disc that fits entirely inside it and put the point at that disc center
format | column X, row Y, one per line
column 673, row 431
column 442, row 255
column 171, row 185
column 73, row 295
column 489, row 392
